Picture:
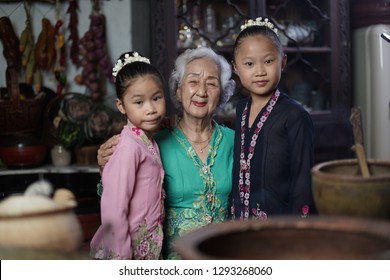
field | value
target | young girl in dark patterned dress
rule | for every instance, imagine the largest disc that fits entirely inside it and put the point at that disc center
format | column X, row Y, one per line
column 273, row 148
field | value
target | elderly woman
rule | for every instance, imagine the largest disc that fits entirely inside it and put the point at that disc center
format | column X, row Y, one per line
column 197, row 153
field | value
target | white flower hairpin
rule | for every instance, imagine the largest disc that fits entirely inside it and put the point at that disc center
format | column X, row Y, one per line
column 260, row 22
column 126, row 60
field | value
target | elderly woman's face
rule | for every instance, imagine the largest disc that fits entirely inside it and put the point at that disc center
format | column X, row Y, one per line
column 200, row 90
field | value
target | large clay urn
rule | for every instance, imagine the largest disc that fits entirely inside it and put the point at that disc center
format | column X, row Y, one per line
column 289, row 238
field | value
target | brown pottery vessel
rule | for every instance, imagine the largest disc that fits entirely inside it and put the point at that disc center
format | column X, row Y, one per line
column 339, row 189
column 289, row 238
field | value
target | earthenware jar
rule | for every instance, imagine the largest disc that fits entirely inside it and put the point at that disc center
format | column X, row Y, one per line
column 39, row 222
column 289, row 238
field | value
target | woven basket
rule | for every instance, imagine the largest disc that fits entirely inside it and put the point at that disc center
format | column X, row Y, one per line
column 17, row 114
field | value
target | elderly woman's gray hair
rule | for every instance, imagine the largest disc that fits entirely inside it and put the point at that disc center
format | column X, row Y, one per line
column 226, row 83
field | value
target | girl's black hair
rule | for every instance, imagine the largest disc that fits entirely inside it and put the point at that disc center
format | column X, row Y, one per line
column 258, row 30
column 134, row 70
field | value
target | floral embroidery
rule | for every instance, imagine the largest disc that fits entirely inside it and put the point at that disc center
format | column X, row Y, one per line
column 259, row 214
column 182, row 220
column 305, row 211
column 101, row 254
column 136, row 130
column 245, row 163
column 147, row 244
column 210, row 186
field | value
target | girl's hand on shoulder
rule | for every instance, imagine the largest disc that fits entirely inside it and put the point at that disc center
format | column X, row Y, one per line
column 106, row 150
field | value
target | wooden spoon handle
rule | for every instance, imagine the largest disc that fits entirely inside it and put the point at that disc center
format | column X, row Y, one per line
column 356, row 122
column 362, row 160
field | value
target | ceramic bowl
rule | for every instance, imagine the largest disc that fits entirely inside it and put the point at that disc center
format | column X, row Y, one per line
column 22, row 150
column 23, row 156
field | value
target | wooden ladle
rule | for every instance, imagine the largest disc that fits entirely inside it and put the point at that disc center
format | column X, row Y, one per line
column 356, row 122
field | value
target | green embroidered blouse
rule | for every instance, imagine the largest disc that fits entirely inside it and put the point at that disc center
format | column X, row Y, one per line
column 196, row 192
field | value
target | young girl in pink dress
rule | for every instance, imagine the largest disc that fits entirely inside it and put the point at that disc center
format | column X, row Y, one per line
column 132, row 205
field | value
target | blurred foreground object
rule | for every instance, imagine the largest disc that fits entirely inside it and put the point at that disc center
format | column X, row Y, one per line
column 35, row 221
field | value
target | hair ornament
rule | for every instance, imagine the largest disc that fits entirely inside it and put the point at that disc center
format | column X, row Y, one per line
column 126, row 60
column 260, row 22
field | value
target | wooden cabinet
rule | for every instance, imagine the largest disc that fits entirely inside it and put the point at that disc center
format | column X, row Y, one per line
column 316, row 38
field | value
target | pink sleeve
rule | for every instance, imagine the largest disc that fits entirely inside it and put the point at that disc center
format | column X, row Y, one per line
column 118, row 181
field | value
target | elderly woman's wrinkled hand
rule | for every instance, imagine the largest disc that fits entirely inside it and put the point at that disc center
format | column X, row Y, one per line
column 106, row 150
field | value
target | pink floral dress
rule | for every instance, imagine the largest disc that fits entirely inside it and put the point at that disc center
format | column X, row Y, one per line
column 132, row 206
